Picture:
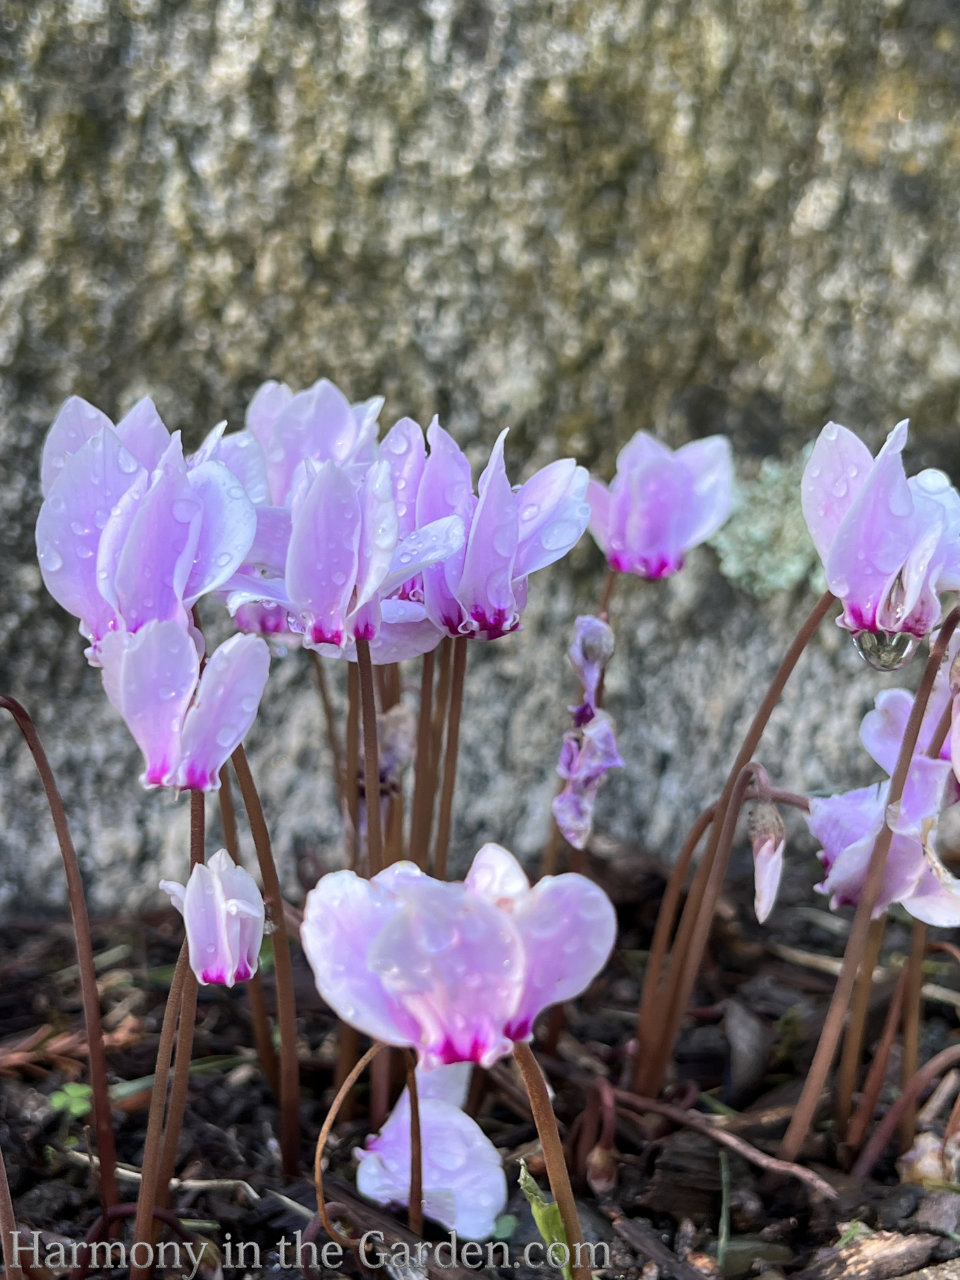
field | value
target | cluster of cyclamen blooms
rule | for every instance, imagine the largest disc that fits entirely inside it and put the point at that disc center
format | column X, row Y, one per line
column 889, row 545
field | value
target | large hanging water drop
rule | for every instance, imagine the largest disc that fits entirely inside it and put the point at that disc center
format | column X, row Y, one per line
column 885, row 650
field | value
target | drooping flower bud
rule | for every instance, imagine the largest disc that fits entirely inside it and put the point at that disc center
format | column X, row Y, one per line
column 768, row 837
column 223, row 914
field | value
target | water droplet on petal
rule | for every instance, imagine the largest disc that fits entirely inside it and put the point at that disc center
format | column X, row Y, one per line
column 84, row 552
column 127, row 463
column 184, row 509
column 884, row 650
column 51, row 559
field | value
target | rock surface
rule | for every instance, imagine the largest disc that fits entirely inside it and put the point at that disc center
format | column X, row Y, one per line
column 575, row 220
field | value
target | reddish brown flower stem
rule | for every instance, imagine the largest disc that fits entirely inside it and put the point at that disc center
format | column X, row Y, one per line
column 371, row 757
column 877, row 1074
column 106, row 1147
column 912, row 1018
column 424, row 784
column 888, row 1125
column 352, row 764
column 553, row 1157
column 445, row 816
column 150, row 1164
column 266, row 1053
column 9, row 1235
column 330, row 722
column 346, row 1242
column 416, row 1148
column 185, row 1028
column 840, row 1002
column 685, row 959
column 282, row 967
column 853, row 1035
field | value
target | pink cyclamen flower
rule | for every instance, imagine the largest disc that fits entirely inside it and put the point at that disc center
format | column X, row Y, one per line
column 661, row 503
column 456, row 971
column 888, row 544
column 223, row 915
column 186, row 723
column 464, row 1188
column 847, row 826
column 591, row 650
column 130, row 531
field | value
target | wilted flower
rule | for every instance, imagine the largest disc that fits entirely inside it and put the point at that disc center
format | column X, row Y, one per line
column 592, row 649
column 223, row 915
column 586, row 756
column 456, row 971
column 661, row 503
column 888, row 544
column 464, row 1188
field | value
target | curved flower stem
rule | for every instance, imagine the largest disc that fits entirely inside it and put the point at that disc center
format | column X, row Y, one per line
column 912, row 1017
column 836, row 1014
column 450, row 763
column 553, row 1157
column 371, row 758
column 258, row 1005
column 345, row 1242
column 106, row 1147
column 423, row 788
column 185, row 1028
column 147, row 1196
column 852, row 1051
column 283, row 969
column 681, row 973
column 416, row 1148
column 888, row 1125
column 9, row 1236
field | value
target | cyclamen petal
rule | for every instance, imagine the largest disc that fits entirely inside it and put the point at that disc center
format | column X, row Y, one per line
column 143, row 432
column 77, row 422
column 150, row 677
column 485, row 590
column 74, row 514
column 227, row 698
column 227, row 527
column 404, row 449
column 323, row 555
column 553, row 512
column 464, row 1188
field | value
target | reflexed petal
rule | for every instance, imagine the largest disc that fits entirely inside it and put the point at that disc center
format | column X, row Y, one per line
column 242, row 453
column 244, row 903
column 882, row 536
column 153, row 565
column 342, row 918
column 882, row 730
column 227, row 528
column 496, row 876
column 601, row 511
column 445, row 489
column 271, row 542
column 835, row 474
column 150, row 678
column 568, row 927
column 553, row 512
column 378, row 532
column 269, row 400
column 431, row 544
column 485, row 589
column 316, row 424
column 142, row 431
column 709, row 463
column 464, row 1188
column 228, row 696
column 936, row 898
column 456, row 965
column 323, row 555
column 70, row 524
column 76, row 423
column 404, row 450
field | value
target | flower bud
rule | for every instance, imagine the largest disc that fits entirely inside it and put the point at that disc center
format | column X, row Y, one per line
column 768, row 837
